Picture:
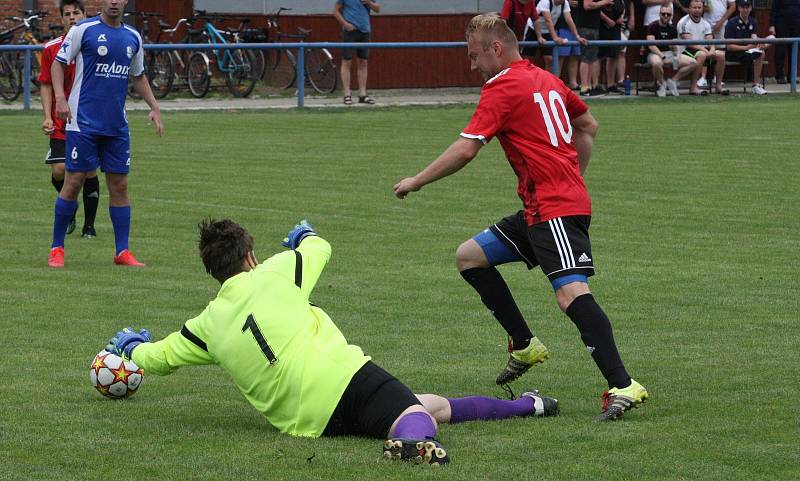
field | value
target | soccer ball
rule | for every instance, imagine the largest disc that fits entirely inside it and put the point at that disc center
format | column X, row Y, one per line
column 114, row 377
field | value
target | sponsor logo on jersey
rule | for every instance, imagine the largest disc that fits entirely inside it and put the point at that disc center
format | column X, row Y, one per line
column 101, row 37
column 102, row 50
column 111, row 70
column 129, row 51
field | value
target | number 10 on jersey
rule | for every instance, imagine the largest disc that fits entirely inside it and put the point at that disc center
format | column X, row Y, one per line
column 550, row 112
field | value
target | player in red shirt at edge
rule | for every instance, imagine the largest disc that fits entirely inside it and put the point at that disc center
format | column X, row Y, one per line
column 72, row 12
column 547, row 134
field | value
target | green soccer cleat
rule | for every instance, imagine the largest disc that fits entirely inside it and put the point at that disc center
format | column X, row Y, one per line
column 618, row 400
column 418, row 451
column 520, row 361
column 542, row 405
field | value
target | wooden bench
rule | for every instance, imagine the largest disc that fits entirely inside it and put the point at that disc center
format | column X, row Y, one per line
column 639, row 66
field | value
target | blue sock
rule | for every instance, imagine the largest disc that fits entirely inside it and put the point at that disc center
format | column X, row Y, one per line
column 64, row 210
column 415, row 425
column 121, row 220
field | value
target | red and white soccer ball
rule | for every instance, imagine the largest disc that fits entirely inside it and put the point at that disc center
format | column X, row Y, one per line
column 114, row 377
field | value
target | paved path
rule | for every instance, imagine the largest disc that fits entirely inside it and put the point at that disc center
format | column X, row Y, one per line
column 401, row 97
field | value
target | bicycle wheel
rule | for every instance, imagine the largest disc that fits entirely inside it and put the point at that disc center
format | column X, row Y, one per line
column 321, row 70
column 9, row 85
column 160, row 73
column 260, row 63
column 285, row 70
column 198, row 74
column 20, row 63
column 240, row 73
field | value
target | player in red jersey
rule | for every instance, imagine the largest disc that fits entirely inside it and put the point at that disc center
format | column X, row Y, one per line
column 72, row 12
column 547, row 134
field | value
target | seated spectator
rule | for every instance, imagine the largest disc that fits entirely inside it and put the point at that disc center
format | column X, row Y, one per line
column 519, row 14
column 555, row 24
column 744, row 26
column 693, row 27
column 658, row 55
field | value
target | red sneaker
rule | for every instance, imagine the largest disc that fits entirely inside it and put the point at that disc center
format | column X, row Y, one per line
column 56, row 257
column 125, row 258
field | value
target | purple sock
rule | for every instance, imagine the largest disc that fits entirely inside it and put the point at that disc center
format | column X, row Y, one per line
column 486, row 408
column 64, row 210
column 121, row 220
column 416, row 425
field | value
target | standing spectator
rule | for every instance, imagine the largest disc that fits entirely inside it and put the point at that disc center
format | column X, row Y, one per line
column 555, row 23
column 694, row 27
column 628, row 24
column 784, row 21
column 521, row 16
column 716, row 13
column 72, row 12
column 353, row 16
column 571, row 52
column 587, row 18
column 547, row 133
column 658, row 55
column 611, row 19
column 743, row 25
column 106, row 52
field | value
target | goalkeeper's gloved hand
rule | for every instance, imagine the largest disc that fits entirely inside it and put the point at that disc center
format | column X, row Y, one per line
column 126, row 340
column 297, row 234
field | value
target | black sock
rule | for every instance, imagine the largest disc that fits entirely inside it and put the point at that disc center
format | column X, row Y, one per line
column 497, row 298
column 595, row 329
column 58, row 184
column 91, row 196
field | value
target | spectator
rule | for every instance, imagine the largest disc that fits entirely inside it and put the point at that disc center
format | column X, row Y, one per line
column 612, row 17
column 353, row 16
column 628, row 24
column 784, row 21
column 571, row 53
column 694, row 27
column 745, row 26
column 555, row 23
column 587, row 18
column 660, row 54
column 716, row 13
column 653, row 7
column 521, row 16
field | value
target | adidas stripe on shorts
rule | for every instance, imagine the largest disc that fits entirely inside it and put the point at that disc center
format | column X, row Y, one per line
column 560, row 246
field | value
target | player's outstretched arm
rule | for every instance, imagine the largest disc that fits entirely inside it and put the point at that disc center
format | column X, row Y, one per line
column 142, row 87
column 311, row 255
column 585, row 130
column 182, row 348
column 459, row 154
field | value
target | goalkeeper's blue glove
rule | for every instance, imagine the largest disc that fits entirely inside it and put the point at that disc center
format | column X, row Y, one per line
column 126, row 340
column 297, row 234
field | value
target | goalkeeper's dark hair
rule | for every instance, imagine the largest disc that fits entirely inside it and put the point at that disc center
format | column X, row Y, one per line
column 223, row 245
column 77, row 3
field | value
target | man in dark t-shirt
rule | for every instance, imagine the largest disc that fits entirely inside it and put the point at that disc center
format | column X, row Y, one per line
column 744, row 26
column 657, row 55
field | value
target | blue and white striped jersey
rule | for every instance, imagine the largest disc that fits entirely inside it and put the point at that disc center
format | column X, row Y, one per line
column 104, row 58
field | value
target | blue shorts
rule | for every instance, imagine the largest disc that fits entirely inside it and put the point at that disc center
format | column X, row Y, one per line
column 568, row 50
column 87, row 152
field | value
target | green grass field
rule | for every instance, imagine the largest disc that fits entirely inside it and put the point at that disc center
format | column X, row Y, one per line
column 695, row 237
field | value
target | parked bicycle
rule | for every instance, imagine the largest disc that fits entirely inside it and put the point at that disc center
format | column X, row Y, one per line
column 156, row 62
column 320, row 70
column 236, row 64
column 14, row 62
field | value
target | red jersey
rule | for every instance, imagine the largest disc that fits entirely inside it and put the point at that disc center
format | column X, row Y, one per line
column 529, row 110
column 516, row 15
column 48, row 56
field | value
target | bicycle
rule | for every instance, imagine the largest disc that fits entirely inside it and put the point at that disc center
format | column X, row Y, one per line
column 236, row 64
column 31, row 35
column 320, row 70
column 157, row 64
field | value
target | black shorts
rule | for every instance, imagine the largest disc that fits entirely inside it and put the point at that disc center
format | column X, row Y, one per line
column 55, row 155
column 609, row 51
column 559, row 246
column 352, row 37
column 741, row 57
column 373, row 400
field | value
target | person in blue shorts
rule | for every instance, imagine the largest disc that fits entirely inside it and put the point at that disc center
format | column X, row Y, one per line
column 106, row 52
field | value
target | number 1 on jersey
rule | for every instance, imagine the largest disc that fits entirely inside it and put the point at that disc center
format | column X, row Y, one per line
column 556, row 103
column 250, row 323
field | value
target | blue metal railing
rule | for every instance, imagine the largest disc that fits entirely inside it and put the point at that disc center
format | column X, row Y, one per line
column 301, row 46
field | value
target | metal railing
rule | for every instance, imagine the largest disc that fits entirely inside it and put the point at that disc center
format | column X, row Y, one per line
column 301, row 46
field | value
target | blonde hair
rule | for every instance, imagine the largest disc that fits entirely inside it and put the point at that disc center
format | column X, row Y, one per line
column 491, row 27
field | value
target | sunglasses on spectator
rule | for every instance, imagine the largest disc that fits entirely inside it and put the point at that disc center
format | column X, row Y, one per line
column 666, row 14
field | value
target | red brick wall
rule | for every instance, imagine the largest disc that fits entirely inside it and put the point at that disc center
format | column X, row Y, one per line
column 12, row 7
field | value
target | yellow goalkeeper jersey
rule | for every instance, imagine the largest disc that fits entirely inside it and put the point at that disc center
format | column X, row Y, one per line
column 286, row 356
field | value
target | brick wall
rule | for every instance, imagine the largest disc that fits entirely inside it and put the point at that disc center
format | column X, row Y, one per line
column 12, row 7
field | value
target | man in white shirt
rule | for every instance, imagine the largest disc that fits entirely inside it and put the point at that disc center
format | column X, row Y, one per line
column 694, row 27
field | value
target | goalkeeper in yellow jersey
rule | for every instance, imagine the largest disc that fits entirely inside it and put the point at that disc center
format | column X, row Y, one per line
column 292, row 363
